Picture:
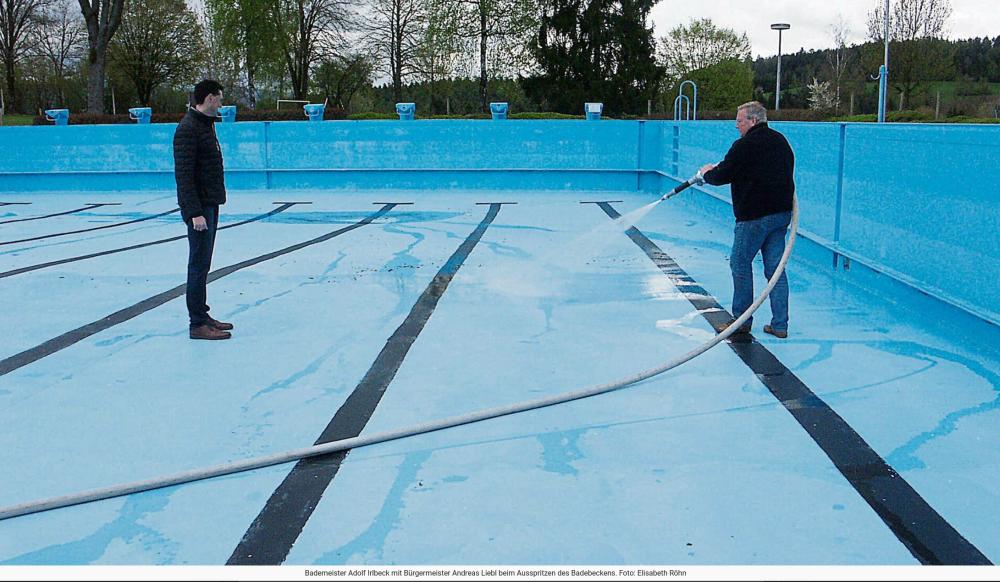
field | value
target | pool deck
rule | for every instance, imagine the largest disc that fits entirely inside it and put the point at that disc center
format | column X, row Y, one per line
column 420, row 320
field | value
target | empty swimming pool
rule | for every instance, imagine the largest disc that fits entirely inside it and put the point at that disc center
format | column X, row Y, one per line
column 867, row 437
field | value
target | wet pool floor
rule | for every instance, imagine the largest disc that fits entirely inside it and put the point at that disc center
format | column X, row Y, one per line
column 362, row 312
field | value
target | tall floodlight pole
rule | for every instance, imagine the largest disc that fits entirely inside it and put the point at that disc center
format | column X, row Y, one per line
column 779, row 26
column 883, row 72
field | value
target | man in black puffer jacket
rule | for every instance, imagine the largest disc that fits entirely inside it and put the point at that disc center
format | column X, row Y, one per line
column 201, row 189
column 760, row 166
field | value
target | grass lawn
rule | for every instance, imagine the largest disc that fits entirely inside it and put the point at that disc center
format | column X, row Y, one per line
column 17, row 119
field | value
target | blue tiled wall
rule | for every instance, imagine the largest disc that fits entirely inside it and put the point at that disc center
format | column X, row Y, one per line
column 919, row 202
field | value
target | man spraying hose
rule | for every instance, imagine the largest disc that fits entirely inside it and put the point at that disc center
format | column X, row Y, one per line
column 759, row 167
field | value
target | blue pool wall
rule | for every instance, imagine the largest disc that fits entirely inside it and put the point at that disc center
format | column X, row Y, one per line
column 916, row 202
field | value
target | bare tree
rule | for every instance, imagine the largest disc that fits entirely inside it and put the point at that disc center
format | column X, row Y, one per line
column 917, row 54
column 839, row 58
column 159, row 42
column 341, row 77
column 394, row 29
column 219, row 63
column 313, row 29
column 103, row 17
column 61, row 38
column 17, row 20
column 500, row 29
column 248, row 32
column 698, row 45
column 439, row 49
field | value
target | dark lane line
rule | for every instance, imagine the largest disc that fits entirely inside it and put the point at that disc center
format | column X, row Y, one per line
column 69, row 338
column 29, row 268
column 924, row 532
column 102, row 227
column 271, row 535
column 90, row 206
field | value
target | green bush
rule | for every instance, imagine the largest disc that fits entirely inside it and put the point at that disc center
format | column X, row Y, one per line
column 371, row 115
column 331, row 113
column 913, row 117
column 543, row 115
column 724, row 85
column 17, row 119
column 523, row 115
column 891, row 116
column 967, row 119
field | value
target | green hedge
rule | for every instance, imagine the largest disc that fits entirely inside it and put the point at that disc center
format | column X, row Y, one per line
column 524, row 115
column 331, row 113
column 17, row 119
column 912, row 117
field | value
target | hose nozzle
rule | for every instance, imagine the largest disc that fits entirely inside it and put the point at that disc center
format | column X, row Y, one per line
column 696, row 180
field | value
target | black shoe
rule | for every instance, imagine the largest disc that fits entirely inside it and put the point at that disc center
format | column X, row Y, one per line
column 219, row 324
column 207, row 332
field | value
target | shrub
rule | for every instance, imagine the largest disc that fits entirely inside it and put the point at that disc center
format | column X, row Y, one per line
column 371, row 115
column 331, row 113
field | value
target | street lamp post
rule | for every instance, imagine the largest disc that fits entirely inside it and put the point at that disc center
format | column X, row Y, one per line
column 779, row 26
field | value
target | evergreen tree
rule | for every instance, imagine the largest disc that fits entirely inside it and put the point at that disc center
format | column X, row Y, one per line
column 594, row 50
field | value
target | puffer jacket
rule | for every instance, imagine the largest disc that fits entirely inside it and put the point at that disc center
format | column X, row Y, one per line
column 198, row 165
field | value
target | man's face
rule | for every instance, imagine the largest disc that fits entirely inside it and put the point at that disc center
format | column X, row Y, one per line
column 743, row 124
column 212, row 104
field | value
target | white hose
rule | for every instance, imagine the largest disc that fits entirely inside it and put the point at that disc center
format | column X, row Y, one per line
column 360, row 441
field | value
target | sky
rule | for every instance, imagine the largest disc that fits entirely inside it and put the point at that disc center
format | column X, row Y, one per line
column 811, row 20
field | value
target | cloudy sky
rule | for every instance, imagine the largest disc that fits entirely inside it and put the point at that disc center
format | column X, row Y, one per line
column 811, row 20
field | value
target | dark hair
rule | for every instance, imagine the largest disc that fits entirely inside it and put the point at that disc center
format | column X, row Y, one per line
column 204, row 89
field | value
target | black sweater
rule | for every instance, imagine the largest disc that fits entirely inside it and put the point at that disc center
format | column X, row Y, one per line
column 198, row 165
column 760, row 166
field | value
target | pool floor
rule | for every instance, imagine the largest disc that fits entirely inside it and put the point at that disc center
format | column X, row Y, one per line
column 361, row 312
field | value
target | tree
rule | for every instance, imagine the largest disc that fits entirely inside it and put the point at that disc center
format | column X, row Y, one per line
column 600, row 50
column 839, row 58
column 248, row 31
column 499, row 29
column 312, row 29
column 160, row 41
column 437, row 54
column 916, row 52
column 394, row 31
column 821, row 96
column 61, row 38
column 724, row 85
column 341, row 77
column 103, row 17
column 699, row 45
column 18, row 18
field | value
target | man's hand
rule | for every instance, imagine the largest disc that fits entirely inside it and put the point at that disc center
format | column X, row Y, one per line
column 198, row 223
column 706, row 168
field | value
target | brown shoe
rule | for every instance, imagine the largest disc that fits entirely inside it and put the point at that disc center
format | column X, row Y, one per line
column 745, row 328
column 207, row 332
column 219, row 324
column 778, row 333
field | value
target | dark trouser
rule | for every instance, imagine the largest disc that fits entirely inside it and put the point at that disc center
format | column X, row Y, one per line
column 200, row 247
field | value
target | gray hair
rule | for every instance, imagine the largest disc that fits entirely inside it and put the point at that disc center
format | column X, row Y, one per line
column 754, row 110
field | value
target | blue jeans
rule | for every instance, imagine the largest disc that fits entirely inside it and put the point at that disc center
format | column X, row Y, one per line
column 767, row 236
